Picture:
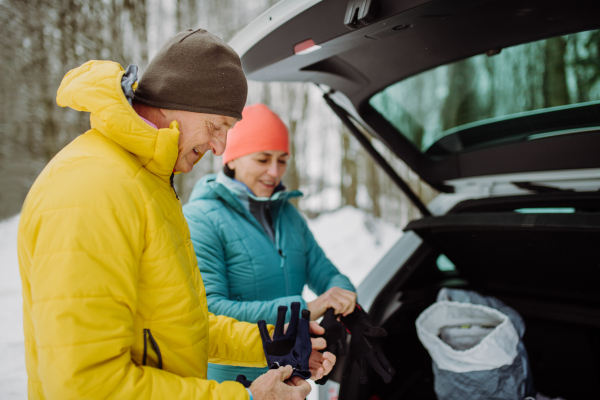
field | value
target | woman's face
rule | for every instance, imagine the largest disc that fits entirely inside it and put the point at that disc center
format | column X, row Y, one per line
column 261, row 172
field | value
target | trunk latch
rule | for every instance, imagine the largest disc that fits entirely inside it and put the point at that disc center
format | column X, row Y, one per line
column 360, row 13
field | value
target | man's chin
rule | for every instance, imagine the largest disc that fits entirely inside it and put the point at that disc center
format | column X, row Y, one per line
column 184, row 169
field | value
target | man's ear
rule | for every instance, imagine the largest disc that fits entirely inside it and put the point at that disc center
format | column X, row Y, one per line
column 231, row 165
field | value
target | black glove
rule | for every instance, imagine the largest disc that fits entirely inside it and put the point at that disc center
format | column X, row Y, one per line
column 292, row 348
column 242, row 379
column 335, row 336
column 365, row 347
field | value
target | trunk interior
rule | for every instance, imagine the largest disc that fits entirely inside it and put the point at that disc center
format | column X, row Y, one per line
column 538, row 254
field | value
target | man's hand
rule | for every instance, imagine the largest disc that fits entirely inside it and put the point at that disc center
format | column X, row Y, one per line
column 319, row 364
column 341, row 300
column 272, row 386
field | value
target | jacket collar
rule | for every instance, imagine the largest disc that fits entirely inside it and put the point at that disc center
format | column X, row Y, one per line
column 235, row 194
column 95, row 87
column 244, row 194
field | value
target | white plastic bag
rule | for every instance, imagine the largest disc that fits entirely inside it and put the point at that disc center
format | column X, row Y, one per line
column 476, row 345
column 497, row 348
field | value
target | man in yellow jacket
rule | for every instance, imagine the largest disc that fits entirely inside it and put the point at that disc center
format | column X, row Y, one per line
column 114, row 304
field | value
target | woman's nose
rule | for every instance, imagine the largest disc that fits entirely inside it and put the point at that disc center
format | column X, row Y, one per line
column 273, row 170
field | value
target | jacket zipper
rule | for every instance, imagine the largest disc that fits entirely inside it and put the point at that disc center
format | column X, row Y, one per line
column 173, row 185
column 276, row 227
column 148, row 334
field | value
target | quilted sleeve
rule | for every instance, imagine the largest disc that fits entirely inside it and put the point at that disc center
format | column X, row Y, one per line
column 235, row 343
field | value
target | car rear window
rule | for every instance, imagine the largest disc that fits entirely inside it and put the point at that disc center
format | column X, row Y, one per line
column 533, row 90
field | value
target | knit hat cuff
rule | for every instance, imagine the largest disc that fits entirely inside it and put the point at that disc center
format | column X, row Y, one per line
column 255, row 147
column 187, row 107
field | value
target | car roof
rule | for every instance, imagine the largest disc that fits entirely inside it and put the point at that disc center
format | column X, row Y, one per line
column 406, row 38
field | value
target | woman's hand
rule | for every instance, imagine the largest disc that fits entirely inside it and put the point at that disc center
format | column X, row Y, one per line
column 341, row 300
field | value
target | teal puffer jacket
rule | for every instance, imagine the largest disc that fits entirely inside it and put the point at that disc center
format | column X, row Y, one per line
column 247, row 276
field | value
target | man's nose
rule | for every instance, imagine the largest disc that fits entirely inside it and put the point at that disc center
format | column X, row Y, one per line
column 218, row 144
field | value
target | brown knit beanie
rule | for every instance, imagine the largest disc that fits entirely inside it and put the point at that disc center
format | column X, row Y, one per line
column 195, row 71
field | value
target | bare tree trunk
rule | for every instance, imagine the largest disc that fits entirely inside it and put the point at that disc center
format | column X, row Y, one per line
column 185, row 14
column 349, row 179
column 41, row 68
column 292, row 176
column 555, row 78
column 588, row 71
column 373, row 186
column 138, row 16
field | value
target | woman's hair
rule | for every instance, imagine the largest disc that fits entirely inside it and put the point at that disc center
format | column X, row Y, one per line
column 228, row 171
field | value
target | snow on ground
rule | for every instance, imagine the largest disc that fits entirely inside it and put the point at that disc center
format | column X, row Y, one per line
column 13, row 379
column 352, row 240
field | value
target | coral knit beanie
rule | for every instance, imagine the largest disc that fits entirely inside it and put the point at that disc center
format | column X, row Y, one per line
column 259, row 130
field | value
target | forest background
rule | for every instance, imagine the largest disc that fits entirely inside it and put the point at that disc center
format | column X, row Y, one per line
column 41, row 40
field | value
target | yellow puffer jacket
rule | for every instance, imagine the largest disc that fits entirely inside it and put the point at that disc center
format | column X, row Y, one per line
column 114, row 305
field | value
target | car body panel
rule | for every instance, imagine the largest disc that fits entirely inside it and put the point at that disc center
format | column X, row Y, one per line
column 386, row 268
column 440, row 32
column 544, row 171
column 267, row 22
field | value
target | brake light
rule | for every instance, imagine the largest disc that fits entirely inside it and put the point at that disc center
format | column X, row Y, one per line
column 306, row 47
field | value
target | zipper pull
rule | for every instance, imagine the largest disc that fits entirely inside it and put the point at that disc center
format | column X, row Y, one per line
column 282, row 263
column 173, row 185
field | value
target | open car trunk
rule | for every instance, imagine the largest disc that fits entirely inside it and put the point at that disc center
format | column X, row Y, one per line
column 538, row 254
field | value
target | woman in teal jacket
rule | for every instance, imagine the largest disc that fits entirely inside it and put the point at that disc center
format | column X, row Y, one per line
column 254, row 249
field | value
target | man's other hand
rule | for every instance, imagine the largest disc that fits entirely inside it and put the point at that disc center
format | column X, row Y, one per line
column 273, row 386
column 319, row 364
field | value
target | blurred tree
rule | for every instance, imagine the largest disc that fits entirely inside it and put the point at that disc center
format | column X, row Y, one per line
column 349, row 179
column 555, row 78
column 585, row 63
column 373, row 187
column 42, row 39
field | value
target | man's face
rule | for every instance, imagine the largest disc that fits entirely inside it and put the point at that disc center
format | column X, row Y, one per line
column 199, row 133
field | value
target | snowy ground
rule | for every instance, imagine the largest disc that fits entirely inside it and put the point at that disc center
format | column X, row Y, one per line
column 353, row 241
column 13, row 379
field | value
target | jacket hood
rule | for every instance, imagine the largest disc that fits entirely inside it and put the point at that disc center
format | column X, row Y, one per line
column 95, row 87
